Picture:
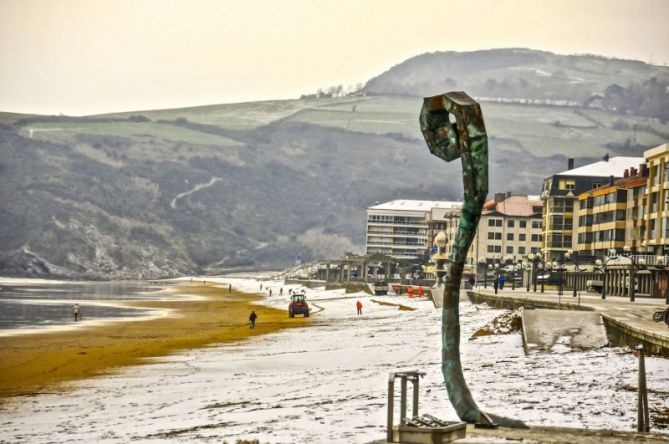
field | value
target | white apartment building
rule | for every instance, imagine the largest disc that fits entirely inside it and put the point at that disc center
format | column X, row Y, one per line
column 510, row 227
column 400, row 228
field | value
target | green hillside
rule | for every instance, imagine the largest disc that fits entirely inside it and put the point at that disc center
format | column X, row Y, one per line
column 202, row 189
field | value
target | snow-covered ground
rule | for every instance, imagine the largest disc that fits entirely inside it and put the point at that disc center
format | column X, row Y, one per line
column 327, row 382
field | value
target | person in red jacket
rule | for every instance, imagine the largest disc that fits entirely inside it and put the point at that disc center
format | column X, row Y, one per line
column 410, row 291
column 420, row 290
column 358, row 305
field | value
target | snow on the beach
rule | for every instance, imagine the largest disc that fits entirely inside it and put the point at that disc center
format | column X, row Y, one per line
column 327, row 382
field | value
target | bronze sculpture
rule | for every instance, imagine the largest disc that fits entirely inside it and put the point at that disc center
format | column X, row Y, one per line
column 453, row 127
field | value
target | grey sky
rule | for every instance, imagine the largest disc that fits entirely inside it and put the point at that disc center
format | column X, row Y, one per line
column 84, row 56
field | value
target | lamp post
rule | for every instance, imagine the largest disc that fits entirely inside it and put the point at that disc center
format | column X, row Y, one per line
column 600, row 266
column 570, row 256
column 537, row 263
column 526, row 266
column 560, row 268
column 636, row 263
column 482, row 264
column 514, row 268
column 495, row 274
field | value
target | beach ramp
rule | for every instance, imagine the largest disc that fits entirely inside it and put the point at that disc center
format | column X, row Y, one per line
column 562, row 330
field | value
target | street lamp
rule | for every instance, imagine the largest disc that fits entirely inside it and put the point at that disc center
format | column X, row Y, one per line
column 570, row 256
column 537, row 262
column 526, row 266
column 636, row 263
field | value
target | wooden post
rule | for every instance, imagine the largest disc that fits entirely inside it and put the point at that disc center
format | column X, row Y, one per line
column 643, row 415
column 391, row 406
column 415, row 396
column 403, row 399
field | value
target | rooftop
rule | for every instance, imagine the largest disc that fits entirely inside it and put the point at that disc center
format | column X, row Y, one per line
column 415, row 205
column 615, row 166
column 514, row 206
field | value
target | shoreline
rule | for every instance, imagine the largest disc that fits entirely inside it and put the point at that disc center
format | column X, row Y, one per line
column 154, row 313
column 32, row 362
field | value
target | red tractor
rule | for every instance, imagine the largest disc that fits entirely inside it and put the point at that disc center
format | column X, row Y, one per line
column 298, row 305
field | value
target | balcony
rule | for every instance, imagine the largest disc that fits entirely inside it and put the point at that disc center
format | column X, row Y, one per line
column 398, row 224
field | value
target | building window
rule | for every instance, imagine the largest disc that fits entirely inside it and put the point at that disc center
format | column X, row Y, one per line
column 491, row 235
column 510, row 223
column 491, row 222
column 509, row 236
column 498, row 222
column 567, row 184
column 653, row 232
column 535, row 250
column 509, row 250
column 523, row 224
column 666, row 171
column 521, row 237
column 535, row 238
column 521, row 250
column 536, row 224
column 498, row 248
column 653, row 203
column 491, row 249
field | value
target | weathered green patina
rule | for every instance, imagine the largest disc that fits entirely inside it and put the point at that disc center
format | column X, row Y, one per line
column 453, row 127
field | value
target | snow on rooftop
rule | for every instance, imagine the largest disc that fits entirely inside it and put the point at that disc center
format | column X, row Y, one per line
column 415, row 205
column 615, row 166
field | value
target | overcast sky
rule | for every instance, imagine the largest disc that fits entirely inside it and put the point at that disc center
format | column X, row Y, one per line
column 86, row 56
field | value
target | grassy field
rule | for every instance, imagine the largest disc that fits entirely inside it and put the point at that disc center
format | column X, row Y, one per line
column 67, row 131
column 30, row 364
column 234, row 115
column 538, row 130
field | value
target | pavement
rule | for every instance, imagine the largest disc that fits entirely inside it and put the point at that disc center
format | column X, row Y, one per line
column 636, row 315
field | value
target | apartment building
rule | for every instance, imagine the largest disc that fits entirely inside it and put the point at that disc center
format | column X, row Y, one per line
column 609, row 216
column 656, row 214
column 560, row 196
column 510, row 227
column 400, row 228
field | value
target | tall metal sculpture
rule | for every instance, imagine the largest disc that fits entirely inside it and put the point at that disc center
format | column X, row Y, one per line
column 453, row 127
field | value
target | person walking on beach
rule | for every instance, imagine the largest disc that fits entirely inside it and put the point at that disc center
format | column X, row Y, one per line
column 252, row 319
column 281, row 291
column 230, row 288
column 270, row 292
column 358, row 305
column 260, row 287
column 76, row 312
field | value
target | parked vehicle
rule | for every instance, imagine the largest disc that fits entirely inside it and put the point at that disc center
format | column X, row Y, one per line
column 594, row 285
column 661, row 316
column 380, row 288
column 298, row 305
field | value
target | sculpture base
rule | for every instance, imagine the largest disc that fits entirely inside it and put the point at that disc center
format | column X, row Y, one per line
column 445, row 433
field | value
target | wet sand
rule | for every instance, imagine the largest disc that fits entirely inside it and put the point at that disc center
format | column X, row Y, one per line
column 43, row 362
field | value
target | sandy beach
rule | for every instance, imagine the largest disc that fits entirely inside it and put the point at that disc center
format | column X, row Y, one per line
column 42, row 362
